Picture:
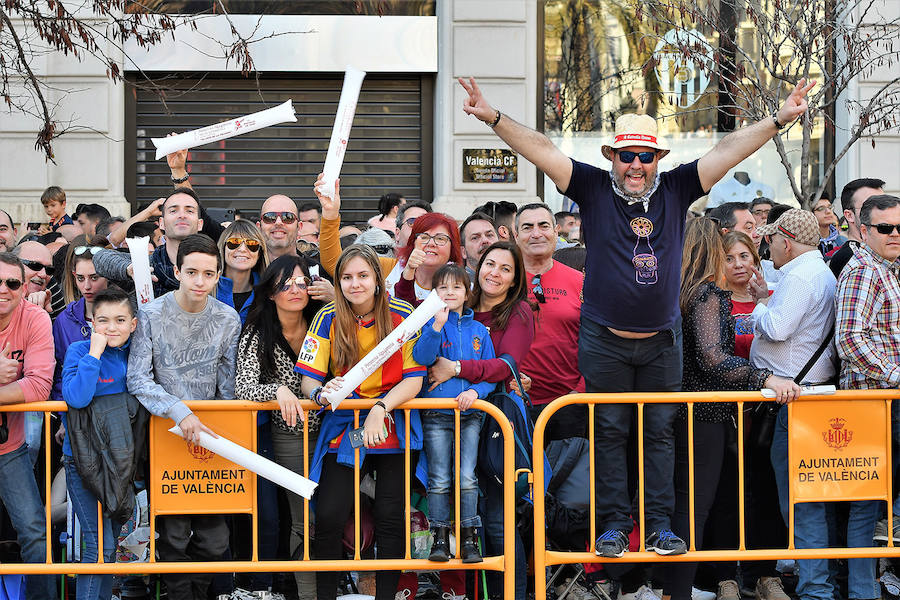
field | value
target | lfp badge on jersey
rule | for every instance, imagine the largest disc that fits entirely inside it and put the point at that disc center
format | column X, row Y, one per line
column 683, row 79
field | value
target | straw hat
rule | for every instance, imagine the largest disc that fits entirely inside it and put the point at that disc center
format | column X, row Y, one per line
column 796, row 224
column 635, row 130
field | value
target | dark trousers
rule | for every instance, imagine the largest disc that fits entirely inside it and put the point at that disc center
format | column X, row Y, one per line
column 765, row 527
column 196, row 538
column 491, row 505
column 710, row 440
column 334, row 506
column 610, row 363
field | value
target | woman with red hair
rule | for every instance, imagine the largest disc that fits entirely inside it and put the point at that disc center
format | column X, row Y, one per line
column 433, row 242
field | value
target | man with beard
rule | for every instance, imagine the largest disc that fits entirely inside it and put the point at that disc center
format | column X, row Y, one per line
column 38, row 264
column 8, row 232
column 278, row 222
column 180, row 218
column 630, row 336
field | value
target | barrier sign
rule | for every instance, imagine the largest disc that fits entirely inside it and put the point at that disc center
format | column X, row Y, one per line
column 189, row 479
column 839, row 450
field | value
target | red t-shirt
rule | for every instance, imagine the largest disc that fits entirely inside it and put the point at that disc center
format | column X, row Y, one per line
column 743, row 328
column 552, row 362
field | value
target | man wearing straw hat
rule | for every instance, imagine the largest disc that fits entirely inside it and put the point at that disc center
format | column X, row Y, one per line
column 630, row 337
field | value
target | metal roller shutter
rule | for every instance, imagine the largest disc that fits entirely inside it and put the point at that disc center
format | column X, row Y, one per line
column 385, row 153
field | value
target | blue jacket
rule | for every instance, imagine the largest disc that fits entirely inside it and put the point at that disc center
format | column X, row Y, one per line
column 341, row 421
column 84, row 377
column 69, row 327
column 461, row 338
column 225, row 289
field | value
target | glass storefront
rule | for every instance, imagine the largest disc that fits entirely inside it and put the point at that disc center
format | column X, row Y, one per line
column 605, row 57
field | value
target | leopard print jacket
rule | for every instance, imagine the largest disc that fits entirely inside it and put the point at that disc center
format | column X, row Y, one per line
column 250, row 384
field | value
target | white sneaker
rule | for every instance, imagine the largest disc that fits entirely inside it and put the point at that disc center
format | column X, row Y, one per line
column 698, row 594
column 452, row 596
column 642, row 593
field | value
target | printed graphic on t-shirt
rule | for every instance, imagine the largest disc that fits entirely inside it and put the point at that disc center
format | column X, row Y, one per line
column 644, row 261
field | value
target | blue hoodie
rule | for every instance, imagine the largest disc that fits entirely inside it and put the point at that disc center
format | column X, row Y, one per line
column 69, row 327
column 225, row 291
column 84, row 377
column 461, row 338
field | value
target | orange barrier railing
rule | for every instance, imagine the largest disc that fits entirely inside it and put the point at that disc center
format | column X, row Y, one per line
column 544, row 557
column 503, row 563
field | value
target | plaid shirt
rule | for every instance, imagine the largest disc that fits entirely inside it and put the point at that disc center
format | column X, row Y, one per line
column 868, row 321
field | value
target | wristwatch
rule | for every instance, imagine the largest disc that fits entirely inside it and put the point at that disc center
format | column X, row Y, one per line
column 457, row 368
column 778, row 123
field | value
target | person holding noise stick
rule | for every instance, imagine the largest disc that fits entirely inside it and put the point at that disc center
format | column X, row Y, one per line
column 341, row 334
column 453, row 333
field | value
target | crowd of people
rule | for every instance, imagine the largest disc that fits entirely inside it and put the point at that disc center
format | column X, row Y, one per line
column 631, row 293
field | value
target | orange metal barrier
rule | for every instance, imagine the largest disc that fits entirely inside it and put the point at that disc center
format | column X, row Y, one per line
column 544, row 557
column 503, row 563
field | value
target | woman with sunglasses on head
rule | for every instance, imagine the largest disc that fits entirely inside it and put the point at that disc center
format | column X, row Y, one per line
column 273, row 335
column 433, row 243
column 341, row 334
column 80, row 284
column 244, row 256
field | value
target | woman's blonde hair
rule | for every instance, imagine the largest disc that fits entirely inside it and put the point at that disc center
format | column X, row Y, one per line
column 702, row 260
column 247, row 229
column 732, row 238
column 344, row 341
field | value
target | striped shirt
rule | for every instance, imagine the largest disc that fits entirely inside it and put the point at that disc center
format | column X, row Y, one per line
column 868, row 321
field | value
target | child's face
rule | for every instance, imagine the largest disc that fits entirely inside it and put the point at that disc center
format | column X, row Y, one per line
column 54, row 209
column 115, row 321
column 453, row 293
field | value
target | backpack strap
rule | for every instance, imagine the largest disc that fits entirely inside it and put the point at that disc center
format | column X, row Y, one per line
column 573, row 451
column 511, row 363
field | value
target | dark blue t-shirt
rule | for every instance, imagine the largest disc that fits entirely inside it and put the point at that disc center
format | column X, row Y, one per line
column 633, row 268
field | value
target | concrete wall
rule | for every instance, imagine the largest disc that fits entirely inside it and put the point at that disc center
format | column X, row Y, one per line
column 496, row 43
column 89, row 159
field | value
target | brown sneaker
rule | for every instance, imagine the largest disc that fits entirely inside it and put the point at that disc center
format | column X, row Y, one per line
column 770, row 588
column 728, row 590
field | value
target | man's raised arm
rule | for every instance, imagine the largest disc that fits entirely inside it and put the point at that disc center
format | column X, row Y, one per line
column 534, row 146
column 738, row 145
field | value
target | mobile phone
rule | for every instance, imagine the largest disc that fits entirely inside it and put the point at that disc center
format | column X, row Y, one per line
column 357, row 438
column 34, row 226
column 314, row 272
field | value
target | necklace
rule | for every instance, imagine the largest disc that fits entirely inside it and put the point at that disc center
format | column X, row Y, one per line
column 361, row 318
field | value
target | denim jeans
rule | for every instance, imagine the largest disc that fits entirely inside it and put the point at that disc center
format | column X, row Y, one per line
column 34, row 427
column 438, row 444
column 19, row 493
column 91, row 587
column 611, row 363
column 811, row 530
column 492, row 518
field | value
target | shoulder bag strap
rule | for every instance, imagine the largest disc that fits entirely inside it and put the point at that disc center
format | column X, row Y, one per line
column 815, row 357
column 515, row 373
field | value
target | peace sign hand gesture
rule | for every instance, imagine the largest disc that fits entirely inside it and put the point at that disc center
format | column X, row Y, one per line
column 475, row 104
column 795, row 104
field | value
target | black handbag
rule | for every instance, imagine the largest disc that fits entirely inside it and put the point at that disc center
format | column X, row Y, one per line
column 765, row 413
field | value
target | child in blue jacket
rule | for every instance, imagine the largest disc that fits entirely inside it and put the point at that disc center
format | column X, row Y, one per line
column 96, row 367
column 454, row 334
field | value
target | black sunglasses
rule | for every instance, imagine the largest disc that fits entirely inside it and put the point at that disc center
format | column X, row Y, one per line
column 627, row 156
column 538, row 290
column 885, row 228
column 37, row 266
column 12, row 284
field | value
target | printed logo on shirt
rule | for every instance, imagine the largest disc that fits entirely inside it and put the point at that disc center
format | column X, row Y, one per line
column 309, row 350
column 108, row 380
column 644, row 261
column 476, row 344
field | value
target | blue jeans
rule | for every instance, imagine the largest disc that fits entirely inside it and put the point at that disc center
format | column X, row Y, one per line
column 811, row 530
column 19, row 493
column 34, row 427
column 91, row 587
column 438, row 441
column 610, row 363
